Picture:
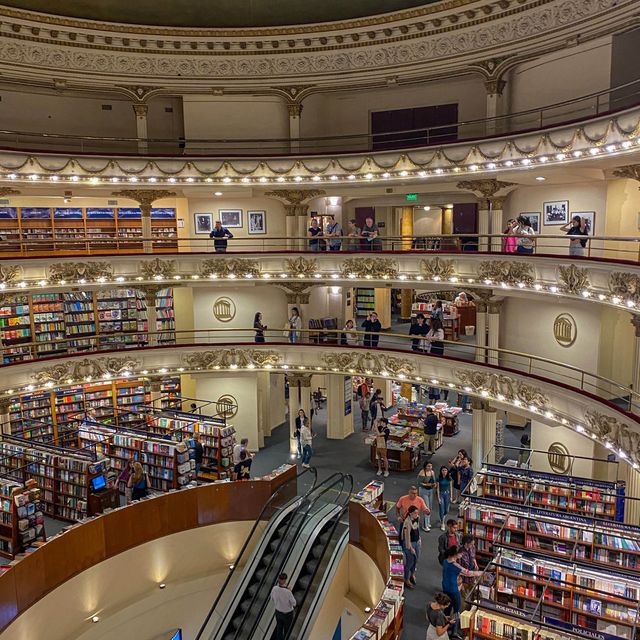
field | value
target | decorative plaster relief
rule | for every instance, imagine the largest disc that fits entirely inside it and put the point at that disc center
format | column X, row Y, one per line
column 73, row 271
column 234, row 358
column 618, row 433
column 223, row 267
column 509, row 272
column 158, row 268
column 86, row 369
column 369, row 363
column 372, row 267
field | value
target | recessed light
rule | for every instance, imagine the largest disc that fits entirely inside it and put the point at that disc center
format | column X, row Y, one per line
column 427, row 208
column 218, row 193
column 95, row 619
column 540, row 178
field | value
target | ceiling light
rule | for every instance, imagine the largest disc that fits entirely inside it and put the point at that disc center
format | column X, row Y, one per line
column 189, row 179
column 279, row 179
column 172, row 180
column 245, row 179
column 334, row 178
column 439, row 171
column 351, row 176
column 449, row 206
column 525, row 161
column 577, row 153
column 404, row 174
column 95, row 619
column 540, row 178
column 610, row 148
column 114, row 179
column 368, row 176
column 491, row 165
column 218, row 193
column 54, row 178
column 316, row 178
column 474, row 167
column 74, row 178
column 162, row 585
column 543, row 158
column 263, row 180
column 226, row 180
column 427, row 208
column 34, row 176
column 594, row 151
column 133, row 179
column 561, row 156
column 153, row 179
column 386, row 174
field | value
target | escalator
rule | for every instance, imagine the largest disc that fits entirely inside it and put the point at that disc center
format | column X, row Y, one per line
column 296, row 545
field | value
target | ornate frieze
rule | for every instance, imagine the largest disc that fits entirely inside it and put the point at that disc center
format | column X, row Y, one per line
column 573, row 279
column 300, row 267
column 144, row 197
column 158, row 269
column 437, row 268
column 486, row 188
column 631, row 171
column 297, row 292
column 224, row 267
column 232, row 358
column 369, row 363
column 9, row 274
column 507, row 271
column 625, row 285
column 295, row 199
column 378, row 268
column 500, row 385
column 618, row 433
column 86, row 369
column 74, row 271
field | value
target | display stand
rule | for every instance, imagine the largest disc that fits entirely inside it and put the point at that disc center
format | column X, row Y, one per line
column 403, row 448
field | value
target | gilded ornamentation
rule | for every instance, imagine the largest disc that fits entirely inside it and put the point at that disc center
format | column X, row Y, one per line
column 573, row 279
column 625, row 285
column 486, row 188
column 8, row 191
column 369, row 363
column 299, row 379
column 9, row 274
column 86, row 369
column 224, row 267
column 232, row 358
column 301, row 267
column 144, row 197
column 631, row 171
column 500, row 385
column 157, row 269
column 437, row 268
column 509, row 272
column 372, row 267
column 295, row 199
column 618, row 433
column 297, row 292
column 71, row 271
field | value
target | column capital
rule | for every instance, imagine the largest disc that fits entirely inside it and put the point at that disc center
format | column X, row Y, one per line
column 481, row 299
column 477, row 404
column 149, row 290
column 295, row 200
column 497, row 202
column 635, row 321
column 495, row 306
column 141, row 109
column 495, row 86
column 489, row 409
column 484, row 188
column 299, row 379
column 144, row 197
column 294, row 109
column 631, row 171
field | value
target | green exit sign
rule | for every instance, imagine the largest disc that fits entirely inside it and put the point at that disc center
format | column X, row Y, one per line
column 412, row 197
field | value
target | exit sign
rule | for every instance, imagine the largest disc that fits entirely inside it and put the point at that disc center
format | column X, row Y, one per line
column 412, row 197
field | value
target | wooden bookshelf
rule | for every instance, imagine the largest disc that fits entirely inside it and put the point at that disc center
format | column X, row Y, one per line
column 16, row 329
column 165, row 316
column 48, row 323
column 21, row 518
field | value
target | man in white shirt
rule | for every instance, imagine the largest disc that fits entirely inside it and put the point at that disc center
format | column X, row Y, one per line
column 284, row 603
column 239, row 448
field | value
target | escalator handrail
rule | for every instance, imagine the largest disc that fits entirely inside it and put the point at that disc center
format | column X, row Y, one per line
column 267, row 504
column 325, row 486
column 338, row 517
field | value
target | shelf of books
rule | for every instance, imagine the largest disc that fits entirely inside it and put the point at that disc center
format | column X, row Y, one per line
column 567, row 494
column 74, row 228
column 171, row 393
column 15, row 329
column 601, row 542
column 31, row 415
column 165, row 316
column 122, row 318
column 385, row 621
column 64, row 475
column 365, row 302
column 568, row 595
column 49, row 327
column 21, row 517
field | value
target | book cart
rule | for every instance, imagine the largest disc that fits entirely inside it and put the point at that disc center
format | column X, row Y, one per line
column 371, row 531
column 21, row 518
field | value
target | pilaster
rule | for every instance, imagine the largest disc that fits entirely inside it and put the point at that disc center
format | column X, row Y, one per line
column 489, row 434
column 635, row 383
column 477, row 432
column 299, row 398
column 141, row 110
column 340, row 407
column 295, row 111
column 481, row 329
column 493, row 334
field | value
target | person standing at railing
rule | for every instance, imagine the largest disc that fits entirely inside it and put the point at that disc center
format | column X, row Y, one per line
column 314, row 233
column 355, row 236
column 349, row 335
column 418, row 328
column 372, row 328
column 220, row 235
column 333, row 231
column 295, row 324
column 524, row 231
column 371, row 234
column 577, row 227
column 259, row 327
column 510, row 243
column 434, row 338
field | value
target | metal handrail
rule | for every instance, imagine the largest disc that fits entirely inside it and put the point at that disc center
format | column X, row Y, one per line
column 267, row 504
column 203, row 337
column 429, row 132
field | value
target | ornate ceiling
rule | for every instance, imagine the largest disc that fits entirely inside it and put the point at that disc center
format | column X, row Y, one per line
column 221, row 13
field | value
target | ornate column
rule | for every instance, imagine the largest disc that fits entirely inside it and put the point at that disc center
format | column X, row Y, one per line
column 264, row 404
column 635, row 382
column 493, row 337
column 481, row 329
column 406, row 233
column 299, row 398
column 296, row 207
column 495, row 93
column 145, row 198
column 477, row 432
column 340, row 407
column 298, row 294
column 489, row 433
column 496, row 203
column 295, row 111
column 141, row 111
column 486, row 190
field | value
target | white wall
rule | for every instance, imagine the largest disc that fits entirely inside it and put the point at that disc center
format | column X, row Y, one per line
column 526, row 325
column 427, row 223
column 559, row 76
column 542, row 436
column 244, row 388
column 347, row 112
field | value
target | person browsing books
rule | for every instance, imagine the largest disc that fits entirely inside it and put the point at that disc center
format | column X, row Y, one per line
column 138, row 482
column 450, row 538
column 451, row 572
column 238, row 448
column 198, row 452
column 242, row 470
column 439, row 624
column 410, row 542
column 430, row 431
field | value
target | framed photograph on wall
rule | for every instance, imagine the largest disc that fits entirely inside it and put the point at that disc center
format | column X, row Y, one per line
column 231, row 218
column 534, row 218
column 203, row 222
column 590, row 217
column 257, row 222
column 556, row 212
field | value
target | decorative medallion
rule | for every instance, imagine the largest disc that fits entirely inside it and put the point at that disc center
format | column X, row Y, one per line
column 224, row 309
column 158, row 269
column 510, row 272
column 379, row 268
column 437, row 268
column 9, row 274
column 559, row 458
column 72, row 271
column 573, row 279
column 301, row 267
column 227, row 406
column 225, row 267
column 565, row 330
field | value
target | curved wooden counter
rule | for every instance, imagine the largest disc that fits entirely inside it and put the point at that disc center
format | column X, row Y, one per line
column 107, row 535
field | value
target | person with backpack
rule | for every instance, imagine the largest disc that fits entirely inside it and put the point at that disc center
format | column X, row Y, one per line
column 577, row 227
column 333, row 231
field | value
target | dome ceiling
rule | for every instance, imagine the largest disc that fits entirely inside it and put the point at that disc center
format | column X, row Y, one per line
column 215, row 13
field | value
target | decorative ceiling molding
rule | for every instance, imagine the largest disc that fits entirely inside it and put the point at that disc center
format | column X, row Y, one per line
column 76, row 271
column 573, row 279
column 9, row 274
column 617, row 433
column 226, row 267
column 300, row 267
column 364, row 267
column 236, row 357
column 369, row 362
column 625, row 285
column 86, row 370
column 158, row 269
column 505, row 271
column 486, row 188
column 437, row 268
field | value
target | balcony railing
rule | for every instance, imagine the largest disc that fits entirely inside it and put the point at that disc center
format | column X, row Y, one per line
column 615, row 248
column 568, row 111
column 555, row 372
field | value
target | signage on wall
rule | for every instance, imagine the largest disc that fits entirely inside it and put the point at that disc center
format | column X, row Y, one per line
column 565, row 330
column 558, row 456
column 348, row 395
column 224, row 309
column 227, row 406
column 412, row 197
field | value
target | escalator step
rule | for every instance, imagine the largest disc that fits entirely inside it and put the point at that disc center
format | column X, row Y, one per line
column 266, row 558
column 252, row 590
column 244, row 605
column 316, row 552
column 259, row 574
column 303, row 582
column 310, row 566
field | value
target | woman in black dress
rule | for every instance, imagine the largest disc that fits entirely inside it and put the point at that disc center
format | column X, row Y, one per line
column 259, row 327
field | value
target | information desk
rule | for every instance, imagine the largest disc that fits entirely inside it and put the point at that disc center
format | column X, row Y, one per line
column 403, row 448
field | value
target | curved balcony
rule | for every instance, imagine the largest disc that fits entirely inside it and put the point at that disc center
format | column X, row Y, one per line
column 552, row 392
column 608, row 275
